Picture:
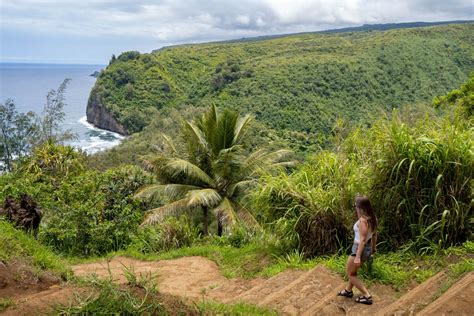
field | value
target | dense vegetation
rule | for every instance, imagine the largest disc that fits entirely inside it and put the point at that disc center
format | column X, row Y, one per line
column 296, row 86
column 416, row 166
column 85, row 212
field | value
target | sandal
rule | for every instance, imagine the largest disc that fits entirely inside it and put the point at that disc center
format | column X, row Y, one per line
column 364, row 300
column 345, row 293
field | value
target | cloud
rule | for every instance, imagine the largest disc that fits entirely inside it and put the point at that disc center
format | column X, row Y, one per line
column 243, row 19
column 189, row 18
column 164, row 22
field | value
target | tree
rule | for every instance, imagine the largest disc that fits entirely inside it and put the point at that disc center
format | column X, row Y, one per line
column 7, row 115
column 113, row 59
column 26, row 131
column 211, row 172
column 20, row 132
column 17, row 132
column 53, row 116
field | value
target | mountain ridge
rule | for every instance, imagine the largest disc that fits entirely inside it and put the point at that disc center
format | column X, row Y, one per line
column 299, row 86
column 361, row 28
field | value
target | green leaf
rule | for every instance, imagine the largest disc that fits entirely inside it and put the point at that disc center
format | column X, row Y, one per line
column 157, row 215
column 178, row 166
column 172, row 191
column 204, row 197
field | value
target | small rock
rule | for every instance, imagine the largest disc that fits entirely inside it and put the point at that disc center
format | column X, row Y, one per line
column 48, row 278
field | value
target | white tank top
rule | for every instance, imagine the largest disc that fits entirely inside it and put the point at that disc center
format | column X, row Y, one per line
column 357, row 233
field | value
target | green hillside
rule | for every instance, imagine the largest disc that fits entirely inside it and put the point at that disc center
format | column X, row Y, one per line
column 297, row 85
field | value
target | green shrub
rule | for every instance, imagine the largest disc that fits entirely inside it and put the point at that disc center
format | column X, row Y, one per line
column 462, row 99
column 84, row 212
column 130, row 55
column 52, row 163
column 173, row 233
column 97, row 214
column 237, row 237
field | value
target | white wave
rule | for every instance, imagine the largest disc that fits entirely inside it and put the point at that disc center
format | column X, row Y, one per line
column 83, row 121
column 102, row 140
column 94, row 145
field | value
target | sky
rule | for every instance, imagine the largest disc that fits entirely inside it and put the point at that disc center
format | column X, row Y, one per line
column 89, row 32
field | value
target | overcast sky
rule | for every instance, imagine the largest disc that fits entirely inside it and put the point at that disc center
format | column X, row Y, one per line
column 83, row 31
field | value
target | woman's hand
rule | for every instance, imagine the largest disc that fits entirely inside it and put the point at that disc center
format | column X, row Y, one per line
column 357, row 262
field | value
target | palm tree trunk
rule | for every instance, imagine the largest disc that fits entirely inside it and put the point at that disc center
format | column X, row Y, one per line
column 219, row 227
column 205, row 220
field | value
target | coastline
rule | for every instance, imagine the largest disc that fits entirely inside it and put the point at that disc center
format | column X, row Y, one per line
column 98, row 139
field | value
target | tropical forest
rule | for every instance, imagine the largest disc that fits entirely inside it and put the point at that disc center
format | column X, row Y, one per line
column 233, row 191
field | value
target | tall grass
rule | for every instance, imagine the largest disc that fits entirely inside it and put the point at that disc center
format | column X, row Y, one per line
column 422, row 182
column 316, row 199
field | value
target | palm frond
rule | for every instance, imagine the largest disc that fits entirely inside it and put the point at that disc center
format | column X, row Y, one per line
column 226, row 213
column 284, row 164
column 172, row 191
column 209, row 121
column 228, row 163
column 278, row 155
column 225, row 130
column 262, row 160
column 241, row 128
column 254, row 160
column 157, row 215
column 180, row 166
column 246, row 216
column 169, row 142
column 203, row 197
column 239, row 186
column 154, row 162
column 197, row 136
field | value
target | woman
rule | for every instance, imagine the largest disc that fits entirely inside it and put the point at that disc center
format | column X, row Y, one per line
column 364, row 242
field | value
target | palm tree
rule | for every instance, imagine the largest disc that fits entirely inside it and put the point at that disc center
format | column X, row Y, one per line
column 212, row 172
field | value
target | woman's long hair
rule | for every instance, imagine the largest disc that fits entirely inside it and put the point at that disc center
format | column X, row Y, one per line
column 362, row 202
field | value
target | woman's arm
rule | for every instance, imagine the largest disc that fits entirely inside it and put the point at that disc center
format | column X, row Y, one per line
column 363, row 229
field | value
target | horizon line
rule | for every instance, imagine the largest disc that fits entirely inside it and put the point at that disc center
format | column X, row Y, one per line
column 50, row 63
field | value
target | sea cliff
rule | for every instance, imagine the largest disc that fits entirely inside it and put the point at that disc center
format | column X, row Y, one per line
column 100, row 117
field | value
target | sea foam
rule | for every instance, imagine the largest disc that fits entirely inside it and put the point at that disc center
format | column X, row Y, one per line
column 97, row 139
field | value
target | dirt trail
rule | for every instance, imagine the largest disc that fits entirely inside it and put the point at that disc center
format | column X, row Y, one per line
column 188, row 277
column 42, row 302
column 293, row 292
column 458, row 300
column 416, row 299
column 19, row 279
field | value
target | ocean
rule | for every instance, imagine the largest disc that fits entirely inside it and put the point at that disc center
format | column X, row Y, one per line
column 28, row 84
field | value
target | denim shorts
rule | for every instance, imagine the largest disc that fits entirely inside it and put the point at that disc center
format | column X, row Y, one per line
column 365, row 253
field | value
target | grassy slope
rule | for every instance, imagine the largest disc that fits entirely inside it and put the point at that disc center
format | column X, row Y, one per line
column 297, row 85
column 15, row 245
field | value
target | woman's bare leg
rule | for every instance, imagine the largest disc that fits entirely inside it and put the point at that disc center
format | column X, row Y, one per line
column 353, row 279
column 348, row 264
